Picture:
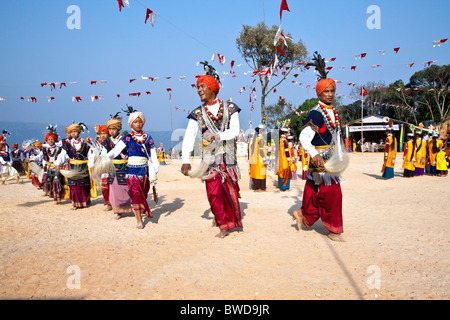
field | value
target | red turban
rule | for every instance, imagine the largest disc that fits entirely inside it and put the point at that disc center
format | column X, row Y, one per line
column 210, row 82
column 51, row 135
column 323, row 84
column 103, row 129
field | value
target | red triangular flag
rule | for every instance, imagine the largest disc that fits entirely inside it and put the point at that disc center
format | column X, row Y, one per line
column 152, row 20
column 363, row 91
column 120, row 5
column 281, row 51
column 284, row 6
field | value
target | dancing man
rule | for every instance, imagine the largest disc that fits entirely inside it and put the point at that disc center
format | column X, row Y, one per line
column 218, row 122
column 321, row 140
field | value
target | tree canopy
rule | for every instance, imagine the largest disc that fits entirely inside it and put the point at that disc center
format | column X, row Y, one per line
column 425, row 97
column 256, row 45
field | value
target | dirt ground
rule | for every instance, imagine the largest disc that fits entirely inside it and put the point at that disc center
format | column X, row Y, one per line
column 396, row 245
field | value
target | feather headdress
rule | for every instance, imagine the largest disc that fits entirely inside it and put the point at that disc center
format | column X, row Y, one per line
column 51, row 129
column 83, row 127
column 116, row 116
column 129, row 110
column 323, row 81
column 133, row 115
column 115, row 121
column 80, row 127
column 319, row 64
column 210, row 71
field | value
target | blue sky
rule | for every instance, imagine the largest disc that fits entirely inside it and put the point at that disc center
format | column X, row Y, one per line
column 117, row 46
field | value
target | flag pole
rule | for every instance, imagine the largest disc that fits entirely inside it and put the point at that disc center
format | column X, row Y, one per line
column 362, row 120
column 171, row 120
column 264, row 13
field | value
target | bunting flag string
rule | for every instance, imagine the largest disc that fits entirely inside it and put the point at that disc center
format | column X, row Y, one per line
column 280, row 98
column 152, row 16
column 368, row 102
column 280, row 42
column 439, row 42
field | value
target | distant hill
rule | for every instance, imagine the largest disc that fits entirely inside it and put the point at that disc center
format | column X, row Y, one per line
column 24, row 131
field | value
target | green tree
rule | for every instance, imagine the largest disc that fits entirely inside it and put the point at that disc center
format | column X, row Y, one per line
column 431, row 90
column 277, row 113
column 297, row 120
column 256, row 45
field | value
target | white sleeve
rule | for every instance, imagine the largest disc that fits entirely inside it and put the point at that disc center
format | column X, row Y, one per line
column 91, row 158
column 154, row 157
column 189, row 141
column 114, row 153
column 233, row 132
column 61, row 158
column 306, row 136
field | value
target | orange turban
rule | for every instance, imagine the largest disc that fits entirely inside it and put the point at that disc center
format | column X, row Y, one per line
column 323, row 84
column 210, row 82
column 51, row 135
column 102, row 129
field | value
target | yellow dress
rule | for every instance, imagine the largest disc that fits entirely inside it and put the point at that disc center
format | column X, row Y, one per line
column 421, row 154
column 305, row 159
column 441, row 163
column 408, row 158
column 284, row 171
column 258, row 169
column 391, row 152
column 431, row 155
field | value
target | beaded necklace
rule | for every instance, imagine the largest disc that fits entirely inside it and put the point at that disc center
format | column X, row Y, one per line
column 139, row 137
column 75, row 144
column 336, row 116
column 220, row 115
column 51, row 150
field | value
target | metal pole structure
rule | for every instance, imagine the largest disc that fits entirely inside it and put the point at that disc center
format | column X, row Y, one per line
column 362, row 122
column 171, row 120
column 264, row 13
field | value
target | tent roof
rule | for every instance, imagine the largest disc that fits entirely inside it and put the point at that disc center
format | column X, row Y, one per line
column 374, row 119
